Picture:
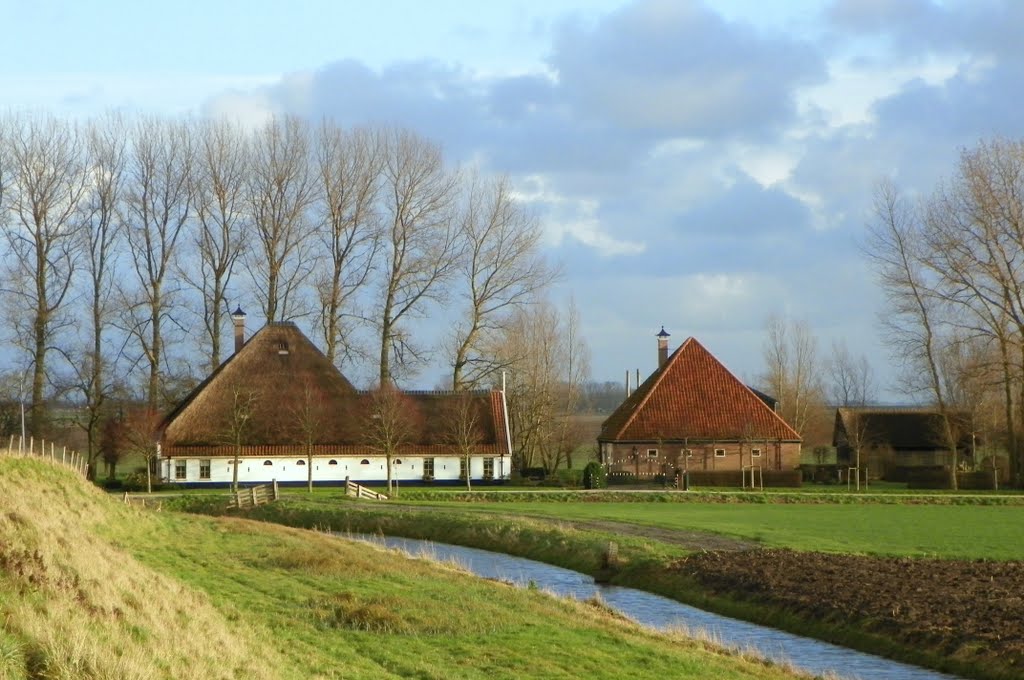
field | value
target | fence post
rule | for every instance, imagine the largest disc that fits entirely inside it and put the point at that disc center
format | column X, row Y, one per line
column 275, row 489
column 252, row 491
column 32, row 445
column 63, row 455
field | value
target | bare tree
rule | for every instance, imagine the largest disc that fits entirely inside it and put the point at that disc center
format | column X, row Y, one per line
column 549, row 362
column 237, row 423
column 281, row 191
column 349, row 165
column 501, row 269
column 421, row 243
column 852, row 381
column 155, row 212
column 139, row 432
column 793, row 373
column 310, row 416
column 912, row 322
column 46, row 184
column 107, row 153
column 464, row 429
column 223, row 223
column 391, row 421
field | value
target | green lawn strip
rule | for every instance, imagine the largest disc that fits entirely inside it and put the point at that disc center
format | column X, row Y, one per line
column 330, row 603
column 942, row 531
column 645, row 565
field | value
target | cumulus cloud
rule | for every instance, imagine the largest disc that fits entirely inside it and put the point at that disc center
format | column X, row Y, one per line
column 670, row 67
column 700, row 171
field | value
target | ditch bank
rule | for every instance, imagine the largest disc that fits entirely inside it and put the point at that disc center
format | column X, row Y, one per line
column 956, row 616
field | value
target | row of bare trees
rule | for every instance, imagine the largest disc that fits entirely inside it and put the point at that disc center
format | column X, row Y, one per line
column 952, row 267
column 127, row 241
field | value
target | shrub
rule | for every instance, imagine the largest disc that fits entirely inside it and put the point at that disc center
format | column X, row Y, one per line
column 136, row 481
column 594, row 476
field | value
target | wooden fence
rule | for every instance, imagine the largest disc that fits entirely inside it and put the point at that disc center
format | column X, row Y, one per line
column 255, row 495
column 19, row 448
column 357, row 491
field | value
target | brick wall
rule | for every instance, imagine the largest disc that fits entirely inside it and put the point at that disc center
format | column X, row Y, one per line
column 655, row 458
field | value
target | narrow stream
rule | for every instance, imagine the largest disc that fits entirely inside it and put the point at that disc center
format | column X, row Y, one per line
column 662, row 613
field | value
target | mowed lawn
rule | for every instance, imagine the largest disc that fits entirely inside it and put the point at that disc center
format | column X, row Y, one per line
column 945, row 531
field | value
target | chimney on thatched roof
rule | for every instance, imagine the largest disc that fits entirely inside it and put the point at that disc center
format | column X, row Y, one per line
column 238, row 317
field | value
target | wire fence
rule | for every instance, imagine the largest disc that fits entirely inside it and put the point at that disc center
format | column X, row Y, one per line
column 18, row 447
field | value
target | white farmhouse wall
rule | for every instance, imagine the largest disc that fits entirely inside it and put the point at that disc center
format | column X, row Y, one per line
column 295, row 469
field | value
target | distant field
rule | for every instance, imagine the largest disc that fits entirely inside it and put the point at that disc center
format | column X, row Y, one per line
column 947, row 531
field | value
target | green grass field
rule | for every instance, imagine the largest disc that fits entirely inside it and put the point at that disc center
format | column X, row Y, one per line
column 95, row 589
column 946, row 531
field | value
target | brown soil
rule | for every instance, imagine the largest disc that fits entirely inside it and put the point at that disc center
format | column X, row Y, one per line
column 971, row 610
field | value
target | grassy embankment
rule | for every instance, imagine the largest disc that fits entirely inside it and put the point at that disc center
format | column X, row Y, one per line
column 91, row 588
column 911, row 528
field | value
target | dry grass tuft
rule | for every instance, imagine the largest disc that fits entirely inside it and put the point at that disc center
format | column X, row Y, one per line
column 76, row 606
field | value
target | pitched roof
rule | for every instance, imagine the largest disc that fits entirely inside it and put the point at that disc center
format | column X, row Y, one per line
column 694, row 396
column 276, row 368
column 290, row 383
column 900, row 428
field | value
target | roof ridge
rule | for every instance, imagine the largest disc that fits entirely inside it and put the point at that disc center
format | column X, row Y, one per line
column 661, row 371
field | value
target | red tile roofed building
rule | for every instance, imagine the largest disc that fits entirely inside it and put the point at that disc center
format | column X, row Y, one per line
column 693, row 414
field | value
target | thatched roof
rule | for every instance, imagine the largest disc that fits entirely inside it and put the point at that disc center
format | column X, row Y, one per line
column 276, row 378
column 280, row 390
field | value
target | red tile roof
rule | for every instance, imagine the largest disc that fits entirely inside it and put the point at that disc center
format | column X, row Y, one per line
column 694, row 396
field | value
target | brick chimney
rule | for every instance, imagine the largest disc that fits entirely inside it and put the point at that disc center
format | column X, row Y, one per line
column 662, row 347
column 238, row 317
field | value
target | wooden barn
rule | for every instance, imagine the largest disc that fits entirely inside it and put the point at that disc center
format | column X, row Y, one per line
column 693, row 414
column 278, row 401
column 894, row 440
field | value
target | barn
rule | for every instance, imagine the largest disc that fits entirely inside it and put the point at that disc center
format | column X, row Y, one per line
column 693, row 414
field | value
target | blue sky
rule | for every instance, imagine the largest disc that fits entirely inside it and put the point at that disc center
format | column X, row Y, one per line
column 695, row 164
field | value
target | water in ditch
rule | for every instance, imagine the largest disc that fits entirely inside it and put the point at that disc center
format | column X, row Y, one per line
column 659, row 612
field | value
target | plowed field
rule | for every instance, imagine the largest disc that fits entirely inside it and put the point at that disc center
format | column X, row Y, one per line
column 968, row 609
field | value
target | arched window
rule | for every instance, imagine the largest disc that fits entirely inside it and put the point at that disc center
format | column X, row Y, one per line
column 333, row 462
column 268, row 462
column 364, row 462
column 398, row 461
column 300, row 462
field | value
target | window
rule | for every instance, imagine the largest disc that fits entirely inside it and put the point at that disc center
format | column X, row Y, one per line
column 364, row 462
column 332, row 462
column 428, row 468
column 462, row 468
column 755, row 453
column 204, row 469
column 488, row 468
column 652, row 453
column 398, row 461
column 179, row 469
column 719, row 453
column 300, row 462
column 688, row 453
column 268, row 462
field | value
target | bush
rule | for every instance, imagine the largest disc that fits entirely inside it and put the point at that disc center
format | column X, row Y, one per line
column 136, row 481
column 537, row 474
column 594, row 476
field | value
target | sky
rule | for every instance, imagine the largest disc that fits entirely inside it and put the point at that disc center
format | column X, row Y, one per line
column 693, row 165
